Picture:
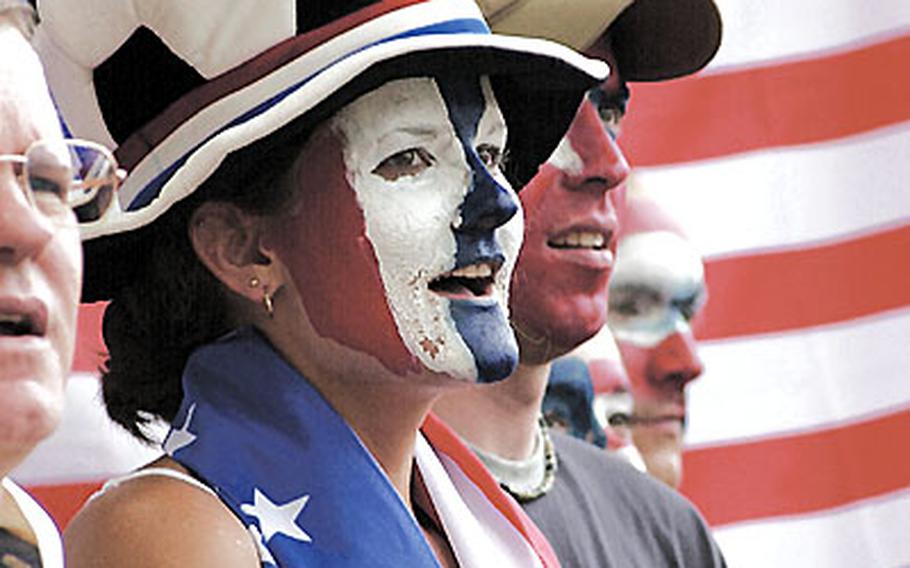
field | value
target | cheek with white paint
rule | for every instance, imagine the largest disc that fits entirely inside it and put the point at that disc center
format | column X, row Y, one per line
column 409, row 220
column 565, row 158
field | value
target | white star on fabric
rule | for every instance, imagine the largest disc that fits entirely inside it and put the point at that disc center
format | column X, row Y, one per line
column 277, row 519
column 181, row 437
column 265, row 556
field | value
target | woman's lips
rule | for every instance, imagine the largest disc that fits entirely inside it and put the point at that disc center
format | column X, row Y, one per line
column 470, row 282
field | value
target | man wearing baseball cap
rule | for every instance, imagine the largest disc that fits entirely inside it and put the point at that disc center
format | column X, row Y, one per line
column 594, row 509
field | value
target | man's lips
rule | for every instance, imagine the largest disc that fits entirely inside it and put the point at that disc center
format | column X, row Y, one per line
column 672, row 421
column 471, row 281
column 22, row 317
column 589, row 245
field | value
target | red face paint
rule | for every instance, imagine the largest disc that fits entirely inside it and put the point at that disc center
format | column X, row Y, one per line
column 559, row 290
column 657, row 286
column 332, row 263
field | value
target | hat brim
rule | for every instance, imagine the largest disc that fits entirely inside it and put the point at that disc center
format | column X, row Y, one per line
column 652, row 40
column 529, row 76
column 656, row 40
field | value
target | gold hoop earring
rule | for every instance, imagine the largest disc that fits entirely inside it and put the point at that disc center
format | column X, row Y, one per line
column 267, row 302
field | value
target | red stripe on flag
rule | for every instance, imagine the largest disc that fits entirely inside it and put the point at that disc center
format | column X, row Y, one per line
column 786, row 290
column 63, row 501
column 799, row 474
column 785, row 104
column 89, row 343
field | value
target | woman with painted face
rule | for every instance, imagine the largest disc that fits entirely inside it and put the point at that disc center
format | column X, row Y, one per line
column 314, row 242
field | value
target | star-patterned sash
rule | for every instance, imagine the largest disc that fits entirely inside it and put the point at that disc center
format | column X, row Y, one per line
column 287, row 464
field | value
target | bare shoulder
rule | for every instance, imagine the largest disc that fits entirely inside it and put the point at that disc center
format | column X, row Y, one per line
column 157, row 521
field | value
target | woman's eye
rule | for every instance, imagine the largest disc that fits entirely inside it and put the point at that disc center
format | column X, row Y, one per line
column 490, row 155
column 408, row 162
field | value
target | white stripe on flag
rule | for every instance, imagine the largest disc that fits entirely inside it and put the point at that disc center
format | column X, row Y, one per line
column 775, row 29
column 870, row 533
column 788, row 197
column 782, row 383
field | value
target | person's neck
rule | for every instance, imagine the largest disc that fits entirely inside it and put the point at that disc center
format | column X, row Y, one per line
column 384, row 411
column 386, row 418
column 499, row 418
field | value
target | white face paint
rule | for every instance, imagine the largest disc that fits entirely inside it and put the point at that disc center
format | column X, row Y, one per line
column 411, row 176
column 565, row 158
column 658, row 285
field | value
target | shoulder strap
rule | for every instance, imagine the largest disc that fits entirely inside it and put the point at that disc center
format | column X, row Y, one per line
column 156, row 471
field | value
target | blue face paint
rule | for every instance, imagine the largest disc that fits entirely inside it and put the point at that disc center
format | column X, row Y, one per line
column 569, row 400
column 486, row 207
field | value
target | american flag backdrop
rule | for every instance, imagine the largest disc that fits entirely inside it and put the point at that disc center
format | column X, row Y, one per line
column 787, row 162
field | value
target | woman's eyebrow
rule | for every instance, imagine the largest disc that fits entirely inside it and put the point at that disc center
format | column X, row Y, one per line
column 416, row 131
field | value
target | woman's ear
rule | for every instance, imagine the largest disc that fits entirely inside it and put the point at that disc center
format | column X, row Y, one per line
column 227, row 241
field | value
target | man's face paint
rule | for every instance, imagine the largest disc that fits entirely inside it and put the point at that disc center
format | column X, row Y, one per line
column 559, row 291
column 613, row 405
column 568, row 402
column 657, row 288
column 404, row 239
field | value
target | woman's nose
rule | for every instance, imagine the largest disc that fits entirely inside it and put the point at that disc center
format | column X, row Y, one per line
column 488, row 204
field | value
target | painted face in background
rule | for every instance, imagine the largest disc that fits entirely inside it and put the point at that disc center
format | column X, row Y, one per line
column 609, row 406
column 568, row 402
column 559, row 291
column 403, row 242
column 657, row 288
column 40, row 265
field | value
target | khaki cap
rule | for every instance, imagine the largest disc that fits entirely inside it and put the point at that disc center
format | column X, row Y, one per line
column 653, row 40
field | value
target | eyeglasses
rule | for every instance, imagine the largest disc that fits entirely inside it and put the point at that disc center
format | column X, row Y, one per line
column 59, row 176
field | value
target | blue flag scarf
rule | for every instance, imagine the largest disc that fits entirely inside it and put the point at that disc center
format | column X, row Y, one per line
column 287, row 464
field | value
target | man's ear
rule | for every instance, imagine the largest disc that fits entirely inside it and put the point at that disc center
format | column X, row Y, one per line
column 227, row 241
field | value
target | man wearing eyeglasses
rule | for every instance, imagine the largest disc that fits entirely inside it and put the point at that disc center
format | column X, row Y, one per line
column 45, row 182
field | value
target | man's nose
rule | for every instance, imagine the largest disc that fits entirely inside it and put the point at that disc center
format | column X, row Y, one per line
column 23, row 230
column 675, row 359
column 602, row 164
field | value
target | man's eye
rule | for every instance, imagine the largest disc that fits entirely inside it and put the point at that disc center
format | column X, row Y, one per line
column 629, row 307
column 611, row 117
column 490, row 155
column 408, row 162
column 688, row 307
column 46, row 186
column 556, row 420
column 619, row 419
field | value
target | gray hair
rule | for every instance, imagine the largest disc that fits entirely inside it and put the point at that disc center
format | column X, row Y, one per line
column 20, row 14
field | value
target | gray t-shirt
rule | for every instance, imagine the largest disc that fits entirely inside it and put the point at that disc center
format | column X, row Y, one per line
column 602, row 512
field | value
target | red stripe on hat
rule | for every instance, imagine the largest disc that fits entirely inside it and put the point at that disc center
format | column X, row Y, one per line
column 63, row 501
column 149, row 136
column 785, row 104
column 799, row 474
column 443, row 439
column 786, row 290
